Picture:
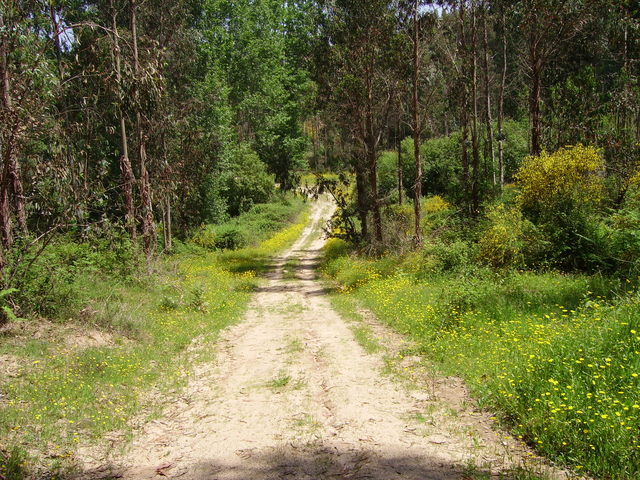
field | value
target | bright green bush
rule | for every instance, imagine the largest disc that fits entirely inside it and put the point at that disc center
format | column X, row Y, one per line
column 250, row 227
column 388, row 175
column 245, row 181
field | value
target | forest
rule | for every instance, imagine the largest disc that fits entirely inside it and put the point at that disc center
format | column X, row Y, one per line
column 483, row 156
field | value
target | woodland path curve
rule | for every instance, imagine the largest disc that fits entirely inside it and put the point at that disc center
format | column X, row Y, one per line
column 292, row 395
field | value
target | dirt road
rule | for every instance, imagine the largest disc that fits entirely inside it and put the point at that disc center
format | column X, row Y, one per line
column 292, row 395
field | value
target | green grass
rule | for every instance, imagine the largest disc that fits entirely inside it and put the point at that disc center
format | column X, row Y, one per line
column 66, row 394
column 345, row 306
column 256, row 225
column 280, row 382
column 557, row 355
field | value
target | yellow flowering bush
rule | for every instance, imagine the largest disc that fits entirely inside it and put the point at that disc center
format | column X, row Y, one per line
column 572, row 173
column 435, row 204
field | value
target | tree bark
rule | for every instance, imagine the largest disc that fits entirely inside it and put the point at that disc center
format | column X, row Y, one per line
column 126, row 170
column 475, row 185
column 375, row 203
column 55, row 27
column 400, row 172
column 13, row 192
column 371, row 149
column 503, row 83
column 148, row 227
column 464, row 106
column 362, row 203
column 166, row 220
column 535, row 92
column 487, row 91
column 417, row 128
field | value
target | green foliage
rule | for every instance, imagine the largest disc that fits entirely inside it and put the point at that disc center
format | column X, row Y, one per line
column 6, row 311
column 388, row 175
column 13, row 464
column 440, row 257
column 249, row 228
column 245, row 181
column 269, row 89
column 398, row 223
column 442, row 169
column 559, row 192
column 576, row 108
column 510, row 240
column 57, row 281
column 441, row 166
column 516, row 145
column 623, row 235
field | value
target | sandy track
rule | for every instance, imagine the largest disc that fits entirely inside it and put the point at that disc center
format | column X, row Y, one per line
column 291, row 395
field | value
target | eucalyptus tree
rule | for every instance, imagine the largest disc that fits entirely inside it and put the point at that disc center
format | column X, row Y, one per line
column 26, row 85
column 546, row 26
column 418, row 20
column 362, row 42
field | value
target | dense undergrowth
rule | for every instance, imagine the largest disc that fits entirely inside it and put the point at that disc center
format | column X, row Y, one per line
column 121, row 343
column 557, row 354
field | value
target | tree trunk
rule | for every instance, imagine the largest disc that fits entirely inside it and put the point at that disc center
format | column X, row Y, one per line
column 417, row 127
column 8, row 146
column 55, row 27
column 464, row 106
column 126, row 170
column 475, row 186
column 503, row 83
column 362, row 203
column 6, row 228
column 18, row 191
column 400, row 173
column 166, row 220
column 371, row 157
column 148, row 227
column 487, row 91
column 373, row 188
column 11, row 182
column 535, row 65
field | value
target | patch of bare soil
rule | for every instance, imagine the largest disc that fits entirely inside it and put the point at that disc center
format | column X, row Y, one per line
column 9, row 365
column 292, row 395
column 72, row 335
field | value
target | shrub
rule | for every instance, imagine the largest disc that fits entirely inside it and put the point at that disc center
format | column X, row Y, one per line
column 398, row 224
column 245, row 181
column 510, row 240
column 440, row 257
column 388, row 175
column 204, row 237
column 230, row 238
column 572, row 174
column 559, row 192
column 57, row 280
column 435, row 204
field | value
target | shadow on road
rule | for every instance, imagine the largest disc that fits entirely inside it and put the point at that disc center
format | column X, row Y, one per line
column 298, row 463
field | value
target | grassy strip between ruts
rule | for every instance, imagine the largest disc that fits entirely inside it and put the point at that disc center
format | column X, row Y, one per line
column 62, row 393
column 555, row 354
